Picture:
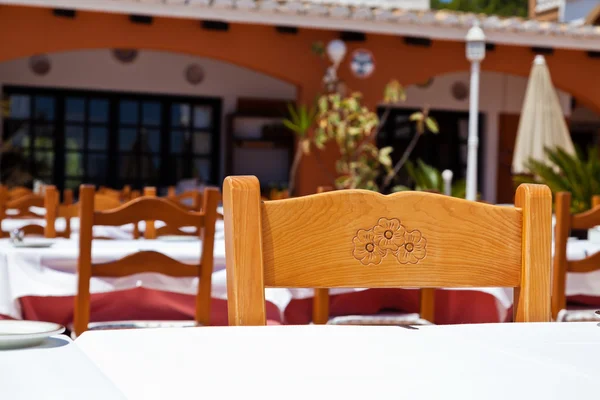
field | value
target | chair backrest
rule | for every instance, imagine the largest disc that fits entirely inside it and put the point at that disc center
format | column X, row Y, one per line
column 18, row 191
column 565, row 222
column 356, row 238
column 68, row 210
column 321, row 295
column 190, row 200
column 140, row 209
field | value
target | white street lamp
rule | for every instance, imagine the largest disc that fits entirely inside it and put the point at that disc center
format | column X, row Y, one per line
column 336, row 50
column 475, row 54
column 447, row 177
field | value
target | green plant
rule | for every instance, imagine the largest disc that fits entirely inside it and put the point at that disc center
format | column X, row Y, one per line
column 428, row 178
column 353, row 127
column 577, row 174
column 300, row 121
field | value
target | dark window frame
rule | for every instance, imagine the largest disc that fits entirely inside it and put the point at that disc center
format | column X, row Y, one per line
column 166, row 171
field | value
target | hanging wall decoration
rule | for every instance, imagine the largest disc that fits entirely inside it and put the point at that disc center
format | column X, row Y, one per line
column 362, row 63
column 40, row 64
column 125, row 56
column 194, row 74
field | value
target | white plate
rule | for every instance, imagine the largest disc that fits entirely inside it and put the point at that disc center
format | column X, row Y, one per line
column 178, row 238
column 16, row 334
column 38, row 243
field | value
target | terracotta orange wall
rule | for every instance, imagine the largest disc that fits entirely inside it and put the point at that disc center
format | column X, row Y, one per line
column 26, row 31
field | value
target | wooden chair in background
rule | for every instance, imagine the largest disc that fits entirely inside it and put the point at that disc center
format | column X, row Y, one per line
column 195, row 196
column 191, row 200
column 141, row 209
column 20, row 208
column 321, row 305
column 355, row 238
column 68, row 210
column 18, row 191
column 565, row 222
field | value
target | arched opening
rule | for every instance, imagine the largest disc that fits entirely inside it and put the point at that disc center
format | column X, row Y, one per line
column 138, row 117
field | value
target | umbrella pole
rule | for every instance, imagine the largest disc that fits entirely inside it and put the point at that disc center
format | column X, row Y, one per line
column 473, row 140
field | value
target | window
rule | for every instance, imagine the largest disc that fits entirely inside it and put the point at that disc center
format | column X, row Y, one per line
column 114, row 139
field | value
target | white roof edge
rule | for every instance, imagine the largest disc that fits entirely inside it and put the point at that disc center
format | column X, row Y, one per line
column 428, row 29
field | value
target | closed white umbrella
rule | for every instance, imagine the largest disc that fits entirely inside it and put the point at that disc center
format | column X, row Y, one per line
column 542, row 124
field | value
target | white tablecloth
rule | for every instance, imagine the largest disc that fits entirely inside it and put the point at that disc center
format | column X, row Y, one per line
column 495, row 361
column 52, row 271
column 56, row 370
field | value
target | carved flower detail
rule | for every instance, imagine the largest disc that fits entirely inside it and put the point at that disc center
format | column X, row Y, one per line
column 389, row 237
column 413, row 248
column 366, row 249
column 389, row 234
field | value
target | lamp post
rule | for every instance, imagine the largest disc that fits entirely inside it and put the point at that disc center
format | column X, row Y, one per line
column 475, row 54
column 336, row 50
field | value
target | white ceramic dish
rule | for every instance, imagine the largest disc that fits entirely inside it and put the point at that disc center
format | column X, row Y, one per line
column 38, row 243
column 177, row 238
column 15, row 334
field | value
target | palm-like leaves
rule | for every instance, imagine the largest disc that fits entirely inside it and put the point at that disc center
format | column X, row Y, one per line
column 576, row 174
column 429, row 178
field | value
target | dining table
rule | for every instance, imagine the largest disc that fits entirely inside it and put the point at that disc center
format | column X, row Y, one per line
column 55, row 370
column 477, row 361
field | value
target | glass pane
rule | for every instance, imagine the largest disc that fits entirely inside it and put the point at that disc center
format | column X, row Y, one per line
column 178, row 141
column 202, row 116
column 73, row 163
column 99, row 110
column 150, row 140
column 44, row 108
column 20, row 106
column 202, row 143
column 98, row 138
column 151, row 113
column 75, row 109
column 127, row 139
column 44, row 162
column 177, row 166
column 180, row 115
column 128, row 112
column 150, row 167
column 17, row 132
column 97, row 165
column 44, row 136
column 201, row 169
column 128, row 167
column 72, row 183
column 73, row 137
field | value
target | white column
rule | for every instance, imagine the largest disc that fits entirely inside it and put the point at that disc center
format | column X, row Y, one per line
column 473, row 141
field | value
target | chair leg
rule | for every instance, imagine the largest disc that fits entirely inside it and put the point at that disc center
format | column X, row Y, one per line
column 427, row 296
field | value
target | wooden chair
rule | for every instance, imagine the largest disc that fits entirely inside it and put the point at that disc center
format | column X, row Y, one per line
column 167, row 229
column 355, row 238
column 18, row 191
column 144, row 208
column 565, row 222
column 321, row 305
column 123, row 194
column 68, row 210
column 190, row 200
column 20, row 208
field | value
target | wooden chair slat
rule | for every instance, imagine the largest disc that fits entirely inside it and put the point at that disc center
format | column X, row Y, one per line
column 160, row 210
column 145, row 261
column 588, row 264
